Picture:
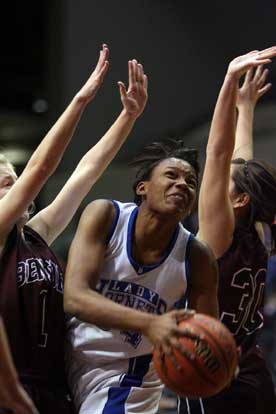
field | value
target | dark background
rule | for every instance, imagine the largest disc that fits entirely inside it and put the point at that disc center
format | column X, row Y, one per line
column 48, row 49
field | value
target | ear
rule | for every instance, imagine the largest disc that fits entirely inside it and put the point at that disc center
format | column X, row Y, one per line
column 241, row 200
column 141, row 188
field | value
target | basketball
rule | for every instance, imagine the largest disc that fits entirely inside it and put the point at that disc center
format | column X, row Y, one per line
column 214, row 363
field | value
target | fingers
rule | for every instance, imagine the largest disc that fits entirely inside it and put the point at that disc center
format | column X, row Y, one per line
column 263, row 90
column 123, row 91
column 261, row 77
column 136, row 74
column 248, row 76
column 267, row 53
column 145, row 82
column 140, row 73
column 169, row 351
column 183, row 314
column 103, row 58
column 258, row 73
column 131, row 74
column 103, row 70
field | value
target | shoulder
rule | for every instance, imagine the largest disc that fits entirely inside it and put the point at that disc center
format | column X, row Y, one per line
column 201, row 250
column 100, row 207
column 202, row 260
column 97, row 218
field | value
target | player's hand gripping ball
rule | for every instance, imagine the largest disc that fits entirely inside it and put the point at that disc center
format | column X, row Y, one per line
column 214, row 359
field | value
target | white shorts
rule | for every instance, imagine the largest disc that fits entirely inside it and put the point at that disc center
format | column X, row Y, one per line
column 129, row 386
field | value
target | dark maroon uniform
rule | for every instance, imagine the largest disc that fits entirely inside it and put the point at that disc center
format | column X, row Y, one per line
column 31, row 304
column 242, row 271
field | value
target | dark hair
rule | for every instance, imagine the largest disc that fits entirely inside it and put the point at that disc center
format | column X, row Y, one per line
column 258, row 179
column 156, row 152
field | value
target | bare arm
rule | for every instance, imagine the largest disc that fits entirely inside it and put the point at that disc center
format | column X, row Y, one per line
column 51, row 221
column 216, row 216
column 204, row 280
column 12, row 394
column 48, row 154
column 85, row 262
column 249, row 93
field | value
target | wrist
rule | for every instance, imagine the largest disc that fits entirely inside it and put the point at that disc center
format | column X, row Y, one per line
column 147, row 324
column 232, row 76
column 80, row 100
column 247, row 108
column 128, row 116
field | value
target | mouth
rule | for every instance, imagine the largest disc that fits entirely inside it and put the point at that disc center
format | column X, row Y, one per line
column 177, row 197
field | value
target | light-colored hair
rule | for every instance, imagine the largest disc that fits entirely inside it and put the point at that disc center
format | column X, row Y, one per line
column 4, row 160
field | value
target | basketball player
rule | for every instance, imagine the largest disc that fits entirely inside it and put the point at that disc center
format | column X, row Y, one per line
column 129, row 264
column 31, row 283
column 236, row 196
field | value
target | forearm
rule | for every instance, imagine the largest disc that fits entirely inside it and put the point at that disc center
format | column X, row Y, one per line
column 97, row 159
column 91, row 307
column 244, row 132
column 222, row 133
column 90, row 168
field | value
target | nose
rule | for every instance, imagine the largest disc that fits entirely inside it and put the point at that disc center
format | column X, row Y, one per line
column 181, row 182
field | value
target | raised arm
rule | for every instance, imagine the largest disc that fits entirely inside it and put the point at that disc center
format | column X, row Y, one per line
column 50, row 222
column 12, row 394
column 254, row 86
column 48, row 154
column 216, row 216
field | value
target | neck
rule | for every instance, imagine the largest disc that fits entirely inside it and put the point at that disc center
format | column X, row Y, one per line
column 151, row 236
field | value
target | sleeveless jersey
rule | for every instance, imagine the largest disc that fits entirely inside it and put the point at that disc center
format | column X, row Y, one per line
column 153, row 289
column 31, row 304
column 242, row 271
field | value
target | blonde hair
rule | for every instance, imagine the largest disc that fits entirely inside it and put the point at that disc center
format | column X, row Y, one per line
column 4, row 160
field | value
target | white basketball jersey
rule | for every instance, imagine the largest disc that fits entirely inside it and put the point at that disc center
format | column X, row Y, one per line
column 155, row 289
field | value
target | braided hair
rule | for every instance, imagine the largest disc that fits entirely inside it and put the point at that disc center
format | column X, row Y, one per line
column 156, row 152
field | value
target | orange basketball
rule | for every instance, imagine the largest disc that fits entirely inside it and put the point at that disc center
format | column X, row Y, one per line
column 214, row 363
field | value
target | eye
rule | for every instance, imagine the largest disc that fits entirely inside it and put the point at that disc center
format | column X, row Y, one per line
column 8, row 182
column 192, row 182
column 170, row 174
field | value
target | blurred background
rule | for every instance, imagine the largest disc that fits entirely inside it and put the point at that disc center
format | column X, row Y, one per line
column 48, row 49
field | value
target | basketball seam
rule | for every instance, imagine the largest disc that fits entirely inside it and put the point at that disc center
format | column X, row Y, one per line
column 228, row 370
column 199, row 370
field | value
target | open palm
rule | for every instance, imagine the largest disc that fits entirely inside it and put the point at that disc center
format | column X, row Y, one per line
column 92, row 85
column 134, row 99
column 243, row 63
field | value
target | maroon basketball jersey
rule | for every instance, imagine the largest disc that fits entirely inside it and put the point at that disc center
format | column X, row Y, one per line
column 31, row 304
column 242, row 271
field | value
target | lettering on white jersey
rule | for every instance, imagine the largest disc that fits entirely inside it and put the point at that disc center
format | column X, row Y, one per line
column 134, row 296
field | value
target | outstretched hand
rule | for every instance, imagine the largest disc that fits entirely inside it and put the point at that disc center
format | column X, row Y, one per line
column 243, row 63
column 135, row 98
column 92, row 85
column 254, row 86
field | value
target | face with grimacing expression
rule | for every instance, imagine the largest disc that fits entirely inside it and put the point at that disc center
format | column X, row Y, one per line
column 171, row 189
column 7, row 179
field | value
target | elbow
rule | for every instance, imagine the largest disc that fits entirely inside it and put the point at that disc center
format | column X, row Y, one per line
column 72, row 304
